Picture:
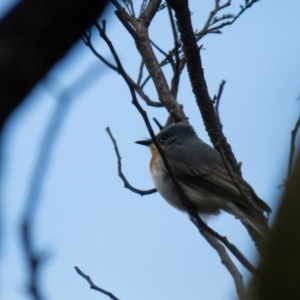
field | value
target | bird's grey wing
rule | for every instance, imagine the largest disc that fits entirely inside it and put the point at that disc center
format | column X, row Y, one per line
column 201, row 166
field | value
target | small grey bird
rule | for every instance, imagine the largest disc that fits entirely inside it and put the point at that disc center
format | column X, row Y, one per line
column 201, row 172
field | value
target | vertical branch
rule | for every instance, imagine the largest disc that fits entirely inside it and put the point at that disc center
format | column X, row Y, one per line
column 196, row 74
column 177, row 70
column 32, row 257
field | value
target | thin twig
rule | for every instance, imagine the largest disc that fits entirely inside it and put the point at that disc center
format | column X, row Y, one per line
column 87, row 41
column 132, row 8
column 140, row 76
column 216, row 29
column 168, row 56
column 226, row 261
column 127, row 185
column 143, row 5
column 95, row 287
column 226, row 163
column 216, row 9
column 86, row 38
column 204, row 32
column 138, row 28
column 189, row 206
column 176, row 68
column 293, row 146
column 160, row 127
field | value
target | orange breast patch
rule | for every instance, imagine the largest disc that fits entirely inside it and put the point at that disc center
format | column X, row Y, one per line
column 155, row 154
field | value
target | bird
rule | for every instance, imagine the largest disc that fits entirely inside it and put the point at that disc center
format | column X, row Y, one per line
column 206, row 183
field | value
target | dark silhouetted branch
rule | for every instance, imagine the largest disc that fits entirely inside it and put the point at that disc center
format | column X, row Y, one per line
column 160, row 127
column 196, row 75
column 212, row 19
column 95, row 287
column 30, row 50
column 138, row 28
column 293, row 146
column 258, row 240
column 226, row 261
column 88, row 42
column 127, row 185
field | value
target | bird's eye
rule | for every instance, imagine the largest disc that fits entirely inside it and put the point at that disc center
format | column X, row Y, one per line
column 164, row 137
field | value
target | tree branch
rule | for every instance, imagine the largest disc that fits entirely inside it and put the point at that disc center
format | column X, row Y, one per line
column 87, row 41
column 138, row 28
column 293, row 147
column 226, row 261
column 258, row 240
column 95, row 287
column 196, row 74
column 127, row 185
column 216, row 29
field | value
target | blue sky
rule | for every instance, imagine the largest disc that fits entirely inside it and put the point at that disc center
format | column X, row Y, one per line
column 140, row 247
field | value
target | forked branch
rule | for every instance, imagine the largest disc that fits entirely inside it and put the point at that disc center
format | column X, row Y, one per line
column 94, row 286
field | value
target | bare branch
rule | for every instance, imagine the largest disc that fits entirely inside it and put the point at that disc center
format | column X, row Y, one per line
column 140, row 76
column 150, row 11
column 138, row 28
column 129, row 5
column 216, row 29
column 226, row 261
column 256, row 237
column 86, row 38
column 95, row 287
column 160, row 127
column 127, row 185
column 34, row 261
column 168, row 57
column 176, row 68
column 196, row 74
column 212, row 14
column 293, row 147
column 87, row 41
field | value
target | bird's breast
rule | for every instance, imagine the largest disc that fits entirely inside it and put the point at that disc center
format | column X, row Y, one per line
column 204, row 200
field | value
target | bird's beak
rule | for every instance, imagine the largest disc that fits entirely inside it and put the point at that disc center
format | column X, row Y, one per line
column 144, row 142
